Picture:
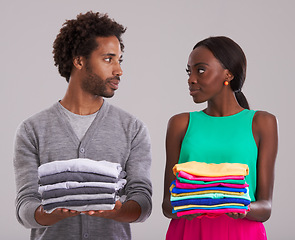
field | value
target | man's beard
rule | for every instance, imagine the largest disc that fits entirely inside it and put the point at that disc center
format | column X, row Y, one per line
column 95, row 85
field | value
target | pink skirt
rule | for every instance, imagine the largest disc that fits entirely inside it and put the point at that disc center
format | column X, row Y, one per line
column 218, row 228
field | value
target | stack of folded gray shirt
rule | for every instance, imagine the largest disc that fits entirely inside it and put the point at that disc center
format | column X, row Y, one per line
column 80, row 184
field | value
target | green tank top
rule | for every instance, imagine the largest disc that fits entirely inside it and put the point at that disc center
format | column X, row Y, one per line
column 222, row 139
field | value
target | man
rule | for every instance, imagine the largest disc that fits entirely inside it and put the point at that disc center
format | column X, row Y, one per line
column 88, row 53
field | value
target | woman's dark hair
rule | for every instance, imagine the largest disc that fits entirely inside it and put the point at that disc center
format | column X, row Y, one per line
column 78, row 36
column 231, row 57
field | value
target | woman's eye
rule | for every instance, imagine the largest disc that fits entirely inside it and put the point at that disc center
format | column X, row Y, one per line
column 188, row 72
column 200, row 70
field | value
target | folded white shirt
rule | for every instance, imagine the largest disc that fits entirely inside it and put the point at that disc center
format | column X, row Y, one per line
column 91, row 207
column 81, row 165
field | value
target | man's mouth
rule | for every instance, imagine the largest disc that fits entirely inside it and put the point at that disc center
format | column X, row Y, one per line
column 114, row 82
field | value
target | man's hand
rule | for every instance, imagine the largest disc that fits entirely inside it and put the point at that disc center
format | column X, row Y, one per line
column 111, row 214
column 48, row 219
column 127, row 212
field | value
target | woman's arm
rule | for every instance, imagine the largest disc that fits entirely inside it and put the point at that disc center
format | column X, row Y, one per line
column 176, row 130
column 265, row 132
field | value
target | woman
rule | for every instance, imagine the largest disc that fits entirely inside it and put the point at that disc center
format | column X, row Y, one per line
column 226, row 131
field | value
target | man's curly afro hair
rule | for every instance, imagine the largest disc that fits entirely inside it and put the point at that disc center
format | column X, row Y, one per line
column 77, row 38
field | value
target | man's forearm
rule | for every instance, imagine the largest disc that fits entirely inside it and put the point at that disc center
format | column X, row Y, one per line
column 128, row 212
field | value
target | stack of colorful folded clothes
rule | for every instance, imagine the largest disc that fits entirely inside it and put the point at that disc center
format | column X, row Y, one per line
column 209, row 189
column 80, row 184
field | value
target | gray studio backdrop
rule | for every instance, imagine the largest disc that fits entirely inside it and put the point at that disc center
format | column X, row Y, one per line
column 158, row 41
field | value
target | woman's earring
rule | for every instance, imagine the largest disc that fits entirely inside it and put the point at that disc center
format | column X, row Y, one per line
column 226, row 83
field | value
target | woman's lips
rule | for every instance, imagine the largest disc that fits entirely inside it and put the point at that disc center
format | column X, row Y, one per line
column 194, row 91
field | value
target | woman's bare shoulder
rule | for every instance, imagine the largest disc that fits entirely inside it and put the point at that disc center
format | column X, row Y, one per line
column 265, row 123
column 178, row 124
column 263, row 118
column 179, row 120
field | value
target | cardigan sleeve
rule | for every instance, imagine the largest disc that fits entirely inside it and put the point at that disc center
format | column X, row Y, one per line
column 139, row 186
column 26, row 164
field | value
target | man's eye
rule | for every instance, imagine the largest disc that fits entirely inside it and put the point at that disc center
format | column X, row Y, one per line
column 108, row 59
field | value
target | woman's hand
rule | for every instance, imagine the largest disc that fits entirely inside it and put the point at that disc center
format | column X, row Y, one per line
column 191, row 216
column 235, row 215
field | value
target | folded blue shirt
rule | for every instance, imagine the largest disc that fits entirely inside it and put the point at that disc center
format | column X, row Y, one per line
column 209, row 201
column 188, row 190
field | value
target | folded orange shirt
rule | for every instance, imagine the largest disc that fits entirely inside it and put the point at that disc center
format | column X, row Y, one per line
column 212, row 169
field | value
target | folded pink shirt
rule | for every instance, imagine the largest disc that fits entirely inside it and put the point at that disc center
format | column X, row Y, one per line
column 207, row 179
column 188, row 185
column 211, row 213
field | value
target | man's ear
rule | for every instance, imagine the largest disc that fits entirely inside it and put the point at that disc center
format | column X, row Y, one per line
column 78, row 62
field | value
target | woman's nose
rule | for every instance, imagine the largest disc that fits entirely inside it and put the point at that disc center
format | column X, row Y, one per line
column 192, row 80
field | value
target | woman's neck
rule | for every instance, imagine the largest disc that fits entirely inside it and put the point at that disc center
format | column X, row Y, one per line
column 225, row 106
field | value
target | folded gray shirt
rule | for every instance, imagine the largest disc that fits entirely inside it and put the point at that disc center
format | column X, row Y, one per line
column 75, row 176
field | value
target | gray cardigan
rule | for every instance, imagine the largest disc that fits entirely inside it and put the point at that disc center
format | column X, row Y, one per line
column 114, row 135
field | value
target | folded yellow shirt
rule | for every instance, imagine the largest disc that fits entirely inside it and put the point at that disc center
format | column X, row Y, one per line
column 212, row 169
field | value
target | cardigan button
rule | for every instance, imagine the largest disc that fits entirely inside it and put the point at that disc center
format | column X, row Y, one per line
column 86, row 235
column 82, row 150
